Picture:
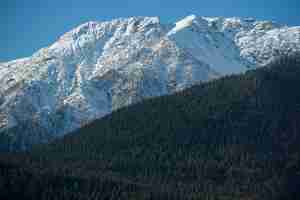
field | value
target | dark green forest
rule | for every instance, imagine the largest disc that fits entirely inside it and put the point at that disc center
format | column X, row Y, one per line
column 237, row 137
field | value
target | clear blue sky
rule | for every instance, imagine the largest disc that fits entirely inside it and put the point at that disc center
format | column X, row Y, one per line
column 28, row 25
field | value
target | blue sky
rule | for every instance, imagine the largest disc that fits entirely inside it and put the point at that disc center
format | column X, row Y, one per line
column 28, row 25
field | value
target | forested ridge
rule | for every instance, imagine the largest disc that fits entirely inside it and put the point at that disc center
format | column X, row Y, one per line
column 237, row 137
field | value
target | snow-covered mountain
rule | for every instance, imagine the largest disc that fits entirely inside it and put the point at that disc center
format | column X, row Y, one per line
column 101, row 66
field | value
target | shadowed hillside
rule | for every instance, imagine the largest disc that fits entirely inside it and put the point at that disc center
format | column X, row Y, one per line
column 233, row 138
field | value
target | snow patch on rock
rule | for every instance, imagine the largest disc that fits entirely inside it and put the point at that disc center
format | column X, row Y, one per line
column 182, row 24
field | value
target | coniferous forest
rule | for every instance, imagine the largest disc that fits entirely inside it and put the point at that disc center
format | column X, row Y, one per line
column 237, row 137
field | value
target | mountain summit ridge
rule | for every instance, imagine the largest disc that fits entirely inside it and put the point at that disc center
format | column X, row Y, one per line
column 99, row 67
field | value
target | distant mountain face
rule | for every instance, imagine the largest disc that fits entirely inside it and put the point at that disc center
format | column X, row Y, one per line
column 102, row 66
column 232, row 138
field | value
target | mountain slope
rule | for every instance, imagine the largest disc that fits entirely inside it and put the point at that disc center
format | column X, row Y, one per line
column 101, row 66
column 233, row 138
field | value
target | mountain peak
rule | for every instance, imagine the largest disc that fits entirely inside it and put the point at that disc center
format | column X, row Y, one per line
column 99, row 67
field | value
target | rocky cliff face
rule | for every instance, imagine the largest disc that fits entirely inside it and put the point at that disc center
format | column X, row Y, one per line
column 101, row 66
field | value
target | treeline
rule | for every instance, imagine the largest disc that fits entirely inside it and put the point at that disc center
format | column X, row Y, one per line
column 233, row 138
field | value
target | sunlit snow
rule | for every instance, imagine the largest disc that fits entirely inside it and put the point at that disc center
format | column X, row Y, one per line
column 186, row 22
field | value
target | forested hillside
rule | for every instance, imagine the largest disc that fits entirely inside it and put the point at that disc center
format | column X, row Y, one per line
column 233, row 138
